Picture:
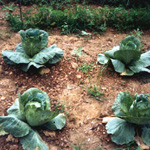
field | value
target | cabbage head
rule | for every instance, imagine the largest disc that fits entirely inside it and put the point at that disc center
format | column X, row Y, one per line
column 31, row 110
column 31, row 52
column 127, row 58
column 133, row 114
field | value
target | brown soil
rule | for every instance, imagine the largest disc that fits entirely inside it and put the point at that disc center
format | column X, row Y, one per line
column 66, row 83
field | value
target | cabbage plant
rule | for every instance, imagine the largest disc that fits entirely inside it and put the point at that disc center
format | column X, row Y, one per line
column 32, row 52
column 31, row 110
column 133, row 118
column 126, row 58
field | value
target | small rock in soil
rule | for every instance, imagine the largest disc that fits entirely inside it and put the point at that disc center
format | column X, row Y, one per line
column 52, row 147
column 44, row 71
column 50, row 133
column 10, row 138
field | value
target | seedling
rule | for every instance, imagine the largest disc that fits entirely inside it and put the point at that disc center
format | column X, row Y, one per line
column 95, row 92
column 60, row 108
column 86, row 35
column 77, row 52
column 85, row 68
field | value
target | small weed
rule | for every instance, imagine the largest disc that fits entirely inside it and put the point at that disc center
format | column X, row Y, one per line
column 65, row 29
column 84, row 146
column 137, row 33
column 130, row 146
column 77, row 52
column 85, row 68
column 123, row 82
column 95, row 92
column 86, row 35
column 100, row 74
column 8, row 35
column 60, row 108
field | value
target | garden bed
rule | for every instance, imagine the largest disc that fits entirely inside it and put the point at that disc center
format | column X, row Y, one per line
column 67, row 87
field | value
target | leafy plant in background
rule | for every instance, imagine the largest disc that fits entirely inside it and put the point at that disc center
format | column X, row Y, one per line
column 32, row 52
column 127, row 58
column 133, row 118
column 31, row 110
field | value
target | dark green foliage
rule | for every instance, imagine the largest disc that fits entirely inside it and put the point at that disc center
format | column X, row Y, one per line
column 80, row 18
column 60, row 3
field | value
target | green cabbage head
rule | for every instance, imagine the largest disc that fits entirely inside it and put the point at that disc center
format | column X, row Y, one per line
column 30, row 110
column 33, row 41
column 34, row 105
column 133, row 117
column 134, row 109
column 126, row 58
column 31, row 52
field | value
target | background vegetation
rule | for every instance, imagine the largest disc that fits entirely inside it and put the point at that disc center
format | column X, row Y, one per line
column 74, row 16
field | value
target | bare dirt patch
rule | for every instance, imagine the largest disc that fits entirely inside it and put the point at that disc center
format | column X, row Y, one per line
column 66, row 83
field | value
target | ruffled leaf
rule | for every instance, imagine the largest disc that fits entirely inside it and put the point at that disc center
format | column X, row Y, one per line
column 110, row 53
column 102, row 59
column 58, row 55
column 56, row 123
column 15, row 57
column 141, row 64
column 146, row 136
column 122, row 132
column 15, row 111
column 14, row 126
column 26, row 67
column 33, row 141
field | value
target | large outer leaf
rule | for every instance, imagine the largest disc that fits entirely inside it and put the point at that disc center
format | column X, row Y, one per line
column 33, row 142
column 110, row 53
column 102, row 59
column 122, row 105
column 33, row 41
column 140, row 65
column 14, row 126
column 122, row 132
column 19, row 48
column 58, row 55
column 15, row 57
column 57, row 123
column 127, row 56
column 51, row 55
column 26, row 67
column 15, row 111
column 146, row 135
column 118, row 65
